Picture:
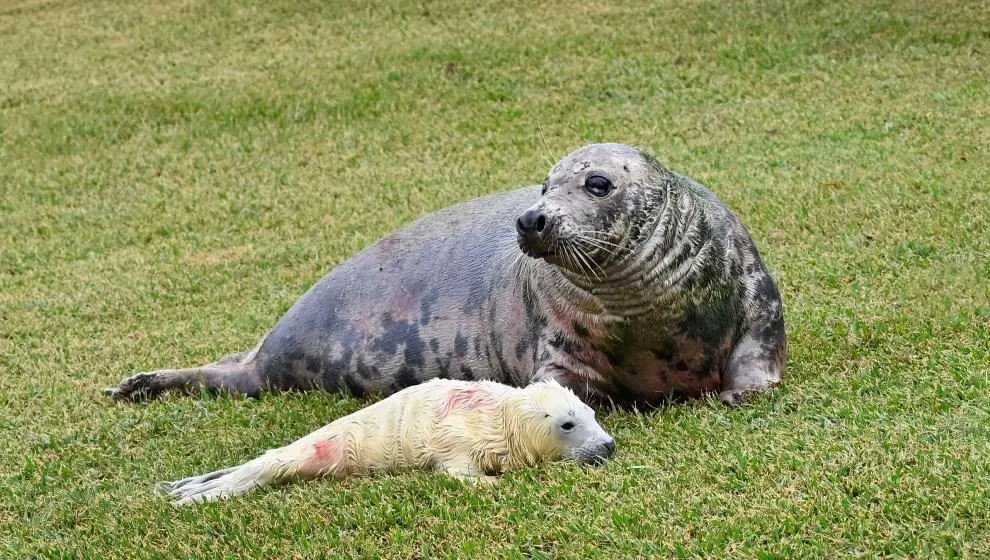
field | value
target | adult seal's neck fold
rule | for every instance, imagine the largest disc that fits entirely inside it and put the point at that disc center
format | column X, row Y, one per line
column 659, row 254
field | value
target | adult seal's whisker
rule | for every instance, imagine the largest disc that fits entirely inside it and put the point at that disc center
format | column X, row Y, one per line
column 590, row 234
column 579, row 260
column 594, row 244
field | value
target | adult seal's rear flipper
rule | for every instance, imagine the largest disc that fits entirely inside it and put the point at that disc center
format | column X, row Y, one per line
column 236, row 373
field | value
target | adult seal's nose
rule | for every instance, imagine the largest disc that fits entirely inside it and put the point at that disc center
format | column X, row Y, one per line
column 532, row 222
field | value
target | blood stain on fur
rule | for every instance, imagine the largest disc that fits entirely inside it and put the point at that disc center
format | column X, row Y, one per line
column 326, row 454
column 466, row 399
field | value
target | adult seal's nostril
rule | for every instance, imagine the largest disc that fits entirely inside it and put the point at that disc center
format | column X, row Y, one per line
column 521, row 225
column 535, row 235
column 532, row 221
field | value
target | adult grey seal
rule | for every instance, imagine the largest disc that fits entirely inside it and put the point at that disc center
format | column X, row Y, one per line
column 619, row 278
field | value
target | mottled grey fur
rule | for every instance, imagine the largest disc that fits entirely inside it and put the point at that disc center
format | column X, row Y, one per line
column 652, row 292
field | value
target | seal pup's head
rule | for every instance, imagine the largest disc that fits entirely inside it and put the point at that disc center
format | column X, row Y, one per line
column 599, row 203
column 551, row 422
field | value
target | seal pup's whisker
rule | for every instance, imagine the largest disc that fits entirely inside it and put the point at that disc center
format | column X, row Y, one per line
column 611, row 248
column 566, row 257
column 580, row 262
column 514, row 273
column 515, row 269
column 604, row 274
column 572, row 260
column 591, row 263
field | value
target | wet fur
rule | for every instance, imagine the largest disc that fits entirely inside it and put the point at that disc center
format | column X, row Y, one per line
column 467, row 430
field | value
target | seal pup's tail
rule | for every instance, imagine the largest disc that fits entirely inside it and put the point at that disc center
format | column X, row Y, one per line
column 318, row 454
column 220, row 484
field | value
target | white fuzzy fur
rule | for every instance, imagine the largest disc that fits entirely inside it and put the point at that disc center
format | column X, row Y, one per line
column 465, row 429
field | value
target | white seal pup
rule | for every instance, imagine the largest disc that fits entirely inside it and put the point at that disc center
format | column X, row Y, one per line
column 470, row 430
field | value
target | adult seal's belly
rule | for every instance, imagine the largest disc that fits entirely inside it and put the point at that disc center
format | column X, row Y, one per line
column 621, row 279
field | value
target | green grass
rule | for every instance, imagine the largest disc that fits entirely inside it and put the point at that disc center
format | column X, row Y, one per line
column 174, row 175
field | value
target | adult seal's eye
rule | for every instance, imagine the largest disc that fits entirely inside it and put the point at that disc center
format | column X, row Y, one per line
column 598, row 186
column 544, row 191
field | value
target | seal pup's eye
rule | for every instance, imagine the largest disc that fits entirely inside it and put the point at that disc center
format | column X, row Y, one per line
column 598, row 186
column 567, row 426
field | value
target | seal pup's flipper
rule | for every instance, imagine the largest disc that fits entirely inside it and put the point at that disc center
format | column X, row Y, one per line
column 219, row 484
column 320, row 453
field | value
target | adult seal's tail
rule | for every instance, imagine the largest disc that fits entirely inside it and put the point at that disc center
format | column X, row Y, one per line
column 621, row 279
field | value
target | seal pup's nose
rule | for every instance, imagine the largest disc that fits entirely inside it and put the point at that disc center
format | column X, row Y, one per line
column 531, row 222
column 609, row 447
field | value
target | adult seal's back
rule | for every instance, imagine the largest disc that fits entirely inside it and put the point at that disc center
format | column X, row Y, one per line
column 623, row 280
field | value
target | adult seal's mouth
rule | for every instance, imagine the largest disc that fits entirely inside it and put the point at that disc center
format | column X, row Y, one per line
column 535, row 230
column 537, row 250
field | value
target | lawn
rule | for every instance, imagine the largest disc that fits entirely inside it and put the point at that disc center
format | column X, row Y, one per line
column 173, row 175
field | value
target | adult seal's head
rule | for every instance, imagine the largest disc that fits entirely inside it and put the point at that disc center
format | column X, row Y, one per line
column 599, row 204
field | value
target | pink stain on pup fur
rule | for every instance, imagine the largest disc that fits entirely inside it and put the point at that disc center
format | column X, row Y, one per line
column 326, row 454
column 466, row 399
